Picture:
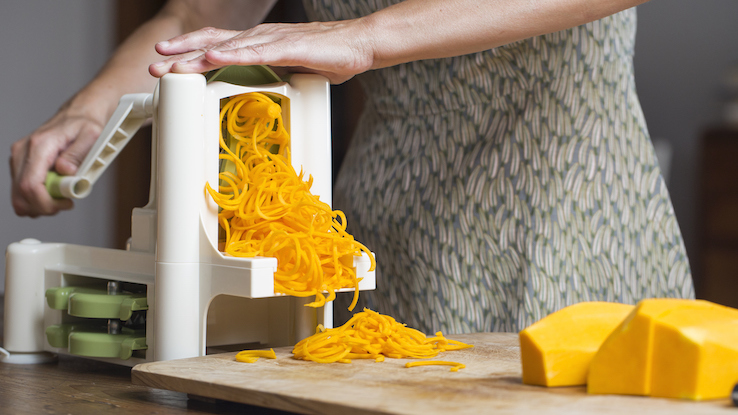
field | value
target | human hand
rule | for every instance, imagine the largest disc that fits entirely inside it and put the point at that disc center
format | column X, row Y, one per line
column 336, row 50
column 59, row 144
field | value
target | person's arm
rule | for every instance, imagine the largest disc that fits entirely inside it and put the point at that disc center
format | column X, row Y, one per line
column 407, row 31
column 425, row 29
column 63, row 141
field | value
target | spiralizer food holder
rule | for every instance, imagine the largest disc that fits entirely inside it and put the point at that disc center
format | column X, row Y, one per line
column 171, row 293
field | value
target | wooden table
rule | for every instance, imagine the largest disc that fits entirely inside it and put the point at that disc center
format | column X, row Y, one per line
column 80, row 386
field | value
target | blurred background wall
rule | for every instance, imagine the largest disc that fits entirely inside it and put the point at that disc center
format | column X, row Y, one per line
column 684, row 52
column 49, row 50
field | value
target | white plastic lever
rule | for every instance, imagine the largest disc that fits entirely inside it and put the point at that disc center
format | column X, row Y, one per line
column 132, row 111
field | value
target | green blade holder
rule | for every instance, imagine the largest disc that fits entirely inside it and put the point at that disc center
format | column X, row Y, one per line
column 95, row 303
column 58, row 334
column 91, row 340
column 119, row 346
column 58, row 297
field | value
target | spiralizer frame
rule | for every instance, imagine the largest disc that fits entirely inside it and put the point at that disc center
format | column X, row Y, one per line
column 192, row 295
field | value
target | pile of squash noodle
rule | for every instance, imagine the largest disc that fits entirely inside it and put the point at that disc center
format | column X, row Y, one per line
column 370, row 335
column 267, row 209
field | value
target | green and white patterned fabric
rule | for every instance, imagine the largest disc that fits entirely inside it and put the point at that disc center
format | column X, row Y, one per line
column 500, row 186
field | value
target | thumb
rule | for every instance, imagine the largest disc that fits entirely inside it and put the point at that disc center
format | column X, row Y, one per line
column 71, row 158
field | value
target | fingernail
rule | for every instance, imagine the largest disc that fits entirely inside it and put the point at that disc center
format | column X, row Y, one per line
column 164, row 43
column 157, row 64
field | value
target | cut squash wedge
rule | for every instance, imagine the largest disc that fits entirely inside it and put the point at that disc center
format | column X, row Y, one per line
column 557, row 350
column 670, row 348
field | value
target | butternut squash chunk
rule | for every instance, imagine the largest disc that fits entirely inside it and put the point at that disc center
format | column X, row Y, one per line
column 557, row 350
column 670, row 348
column 630, row 345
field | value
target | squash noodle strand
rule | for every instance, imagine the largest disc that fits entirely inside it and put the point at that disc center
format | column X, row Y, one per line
column 251, row 356
column 455, row 366
column 267, row 209
column 370, row 335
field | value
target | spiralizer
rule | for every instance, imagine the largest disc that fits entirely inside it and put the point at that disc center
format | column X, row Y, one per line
column 171, row 293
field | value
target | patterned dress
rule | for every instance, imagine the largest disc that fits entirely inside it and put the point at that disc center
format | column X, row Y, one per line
column 500, row 186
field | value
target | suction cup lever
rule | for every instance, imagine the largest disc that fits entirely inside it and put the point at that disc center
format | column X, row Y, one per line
column 132, row 111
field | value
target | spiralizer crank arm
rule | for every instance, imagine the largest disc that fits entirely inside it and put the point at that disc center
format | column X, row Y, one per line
column 132, row 111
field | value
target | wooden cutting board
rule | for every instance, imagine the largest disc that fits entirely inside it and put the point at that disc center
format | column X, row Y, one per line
column 490, row 383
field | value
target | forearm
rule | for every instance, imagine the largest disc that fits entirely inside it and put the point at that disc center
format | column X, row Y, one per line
column 127, row 70
column 426, row 29
column 407, row 31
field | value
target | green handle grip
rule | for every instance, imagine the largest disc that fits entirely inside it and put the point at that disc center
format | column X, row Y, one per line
column 53, row 180
column 67, row 187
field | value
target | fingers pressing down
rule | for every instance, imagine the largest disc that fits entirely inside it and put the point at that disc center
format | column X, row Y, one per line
column 333, row 49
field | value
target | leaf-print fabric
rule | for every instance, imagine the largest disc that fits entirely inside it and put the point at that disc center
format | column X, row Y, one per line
column 498, row 187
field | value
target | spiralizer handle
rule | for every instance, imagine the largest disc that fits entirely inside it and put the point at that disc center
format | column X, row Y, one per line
column 132, row 111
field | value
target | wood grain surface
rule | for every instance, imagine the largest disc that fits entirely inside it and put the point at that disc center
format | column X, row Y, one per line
column 490, row 383
column 79, row 386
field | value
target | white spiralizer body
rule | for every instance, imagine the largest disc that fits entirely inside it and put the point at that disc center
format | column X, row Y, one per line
column 171, row 294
